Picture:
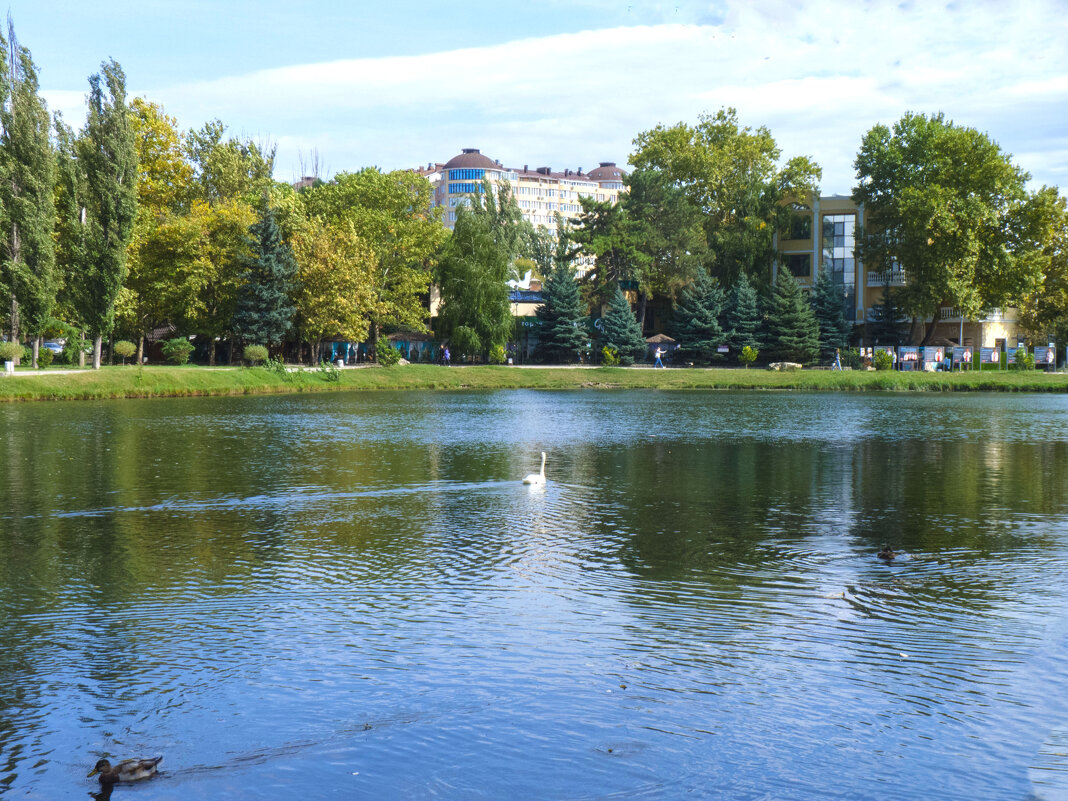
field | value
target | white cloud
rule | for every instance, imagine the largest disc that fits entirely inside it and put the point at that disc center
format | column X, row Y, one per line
column 818, row 75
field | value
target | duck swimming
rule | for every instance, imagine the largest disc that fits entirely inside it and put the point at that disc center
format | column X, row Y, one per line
column 887, row 553
column 129, row 770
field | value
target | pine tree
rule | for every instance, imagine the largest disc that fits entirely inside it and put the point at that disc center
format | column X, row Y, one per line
column 26, row 195
column 620, row 329
column 742, row 318
column 884, row 324
column 562, row 314
column 695, row 319
column 827, row 305
column 793, row 334
column 107, row 151
column 264, row 310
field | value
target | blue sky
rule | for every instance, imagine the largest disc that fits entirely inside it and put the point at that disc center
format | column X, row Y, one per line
column 566, row 84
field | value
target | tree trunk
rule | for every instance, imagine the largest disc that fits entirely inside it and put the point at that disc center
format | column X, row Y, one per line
column 230, row 356
column 642, row 304
column 36, row 351
column 81, row 349
column 14, row 318
column 141, row 349
column 211, row 352
column 930, row 331
column 111, row 349
column 98, row 342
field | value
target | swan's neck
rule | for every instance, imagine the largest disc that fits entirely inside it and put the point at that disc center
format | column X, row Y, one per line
column 543, row 465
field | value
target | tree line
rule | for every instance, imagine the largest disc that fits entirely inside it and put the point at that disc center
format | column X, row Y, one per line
column 131, row 226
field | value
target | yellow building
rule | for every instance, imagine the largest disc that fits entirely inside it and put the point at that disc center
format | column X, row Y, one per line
column 824, row 236
column 541, row 193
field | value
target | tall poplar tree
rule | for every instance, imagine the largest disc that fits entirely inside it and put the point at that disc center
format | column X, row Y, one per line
column 107, row 151
column 26, row 194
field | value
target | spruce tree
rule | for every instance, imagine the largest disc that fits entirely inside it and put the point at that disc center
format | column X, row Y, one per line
column 264, row 311
column 562, row 314
column 793, row 334
column 884, row 324
column 26, row 195
column 620, row 330
column 695, row 319
column 107, row 152
column 742, row 318
column 827, row 305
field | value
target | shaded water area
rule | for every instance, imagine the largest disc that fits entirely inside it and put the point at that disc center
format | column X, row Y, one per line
column 353, row 596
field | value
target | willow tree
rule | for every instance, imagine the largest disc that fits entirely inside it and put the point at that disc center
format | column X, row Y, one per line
column 27, row 207
column 107, row 151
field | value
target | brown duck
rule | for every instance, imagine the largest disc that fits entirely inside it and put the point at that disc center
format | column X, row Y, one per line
column 129, row 770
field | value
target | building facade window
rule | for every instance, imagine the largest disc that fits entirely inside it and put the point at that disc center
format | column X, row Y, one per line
column 839, row 255
column 466, row 175
column 799, row 264
column 464, row 189
column 800, row 227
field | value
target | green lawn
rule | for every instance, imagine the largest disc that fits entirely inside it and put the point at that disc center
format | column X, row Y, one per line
column 146, row 382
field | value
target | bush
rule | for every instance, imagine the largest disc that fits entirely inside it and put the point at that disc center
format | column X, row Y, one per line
column 177, row 350
column 883, row 360
column 10, row 351
column 748, row 355
column 45, row 357
column 1024, row 360
column 496, row 354
column 385, row 354
column 852, row 359
column 125, row 349
column 330, row 371
column 465, row 342
column 255, row 354
column 609, row 357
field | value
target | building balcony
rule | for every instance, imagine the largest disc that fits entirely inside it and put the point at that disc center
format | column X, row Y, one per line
column 949, row 314
column 891, row 277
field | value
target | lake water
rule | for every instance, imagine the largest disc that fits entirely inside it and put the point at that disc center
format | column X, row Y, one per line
column 353, row 596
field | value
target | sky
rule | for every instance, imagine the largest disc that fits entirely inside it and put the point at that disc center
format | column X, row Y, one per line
column 565, row 84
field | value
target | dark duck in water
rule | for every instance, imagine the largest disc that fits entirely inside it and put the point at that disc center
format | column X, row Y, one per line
column 887, row 553
column 129, row 770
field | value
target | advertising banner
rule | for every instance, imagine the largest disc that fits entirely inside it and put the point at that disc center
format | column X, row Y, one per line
column 1045, row 356
column 989, row 356
column 933, row 354
column 908, row 357
column 1011, row 355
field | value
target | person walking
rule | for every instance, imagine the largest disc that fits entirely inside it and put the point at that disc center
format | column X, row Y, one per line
column 837, row 359
column 445, row 357
column 658, row 354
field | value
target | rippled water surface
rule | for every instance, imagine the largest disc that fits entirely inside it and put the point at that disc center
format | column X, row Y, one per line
column 353, row 596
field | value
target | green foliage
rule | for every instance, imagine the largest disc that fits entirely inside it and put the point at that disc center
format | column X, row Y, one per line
column 620, row 331
column 695, row 319
column 497, row 355
column 255, row 354
column 1024, row 360
column 385, row 354
column 748, row 355
column 329, row 371
column 732, row 175
column 883, row 360
column 886, row 322
column 264, row 309
column 465, row 342
column 107, row 152
column 45, row 357
column 27, row 209
column 124, row 349
column 177, row 350
column 793, row 334
column 609, row 356
column 948, row 206
column 742, row 318
column 278, row 367
column 476, row 265
column 828, row 299
column 10, row 351
column 1044, row 308
column 562, row 336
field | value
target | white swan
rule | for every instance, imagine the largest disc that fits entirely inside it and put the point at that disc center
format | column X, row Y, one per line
column 537, row 478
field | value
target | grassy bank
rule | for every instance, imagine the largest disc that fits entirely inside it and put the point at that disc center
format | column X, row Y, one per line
column 148, row 382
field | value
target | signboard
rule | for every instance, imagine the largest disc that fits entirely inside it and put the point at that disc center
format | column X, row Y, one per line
column 933, row 354
column 723, row 349
column 1011, row 359
column 989, row 356
column 1045, row 356
column 908, row 356
column 962, row 357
